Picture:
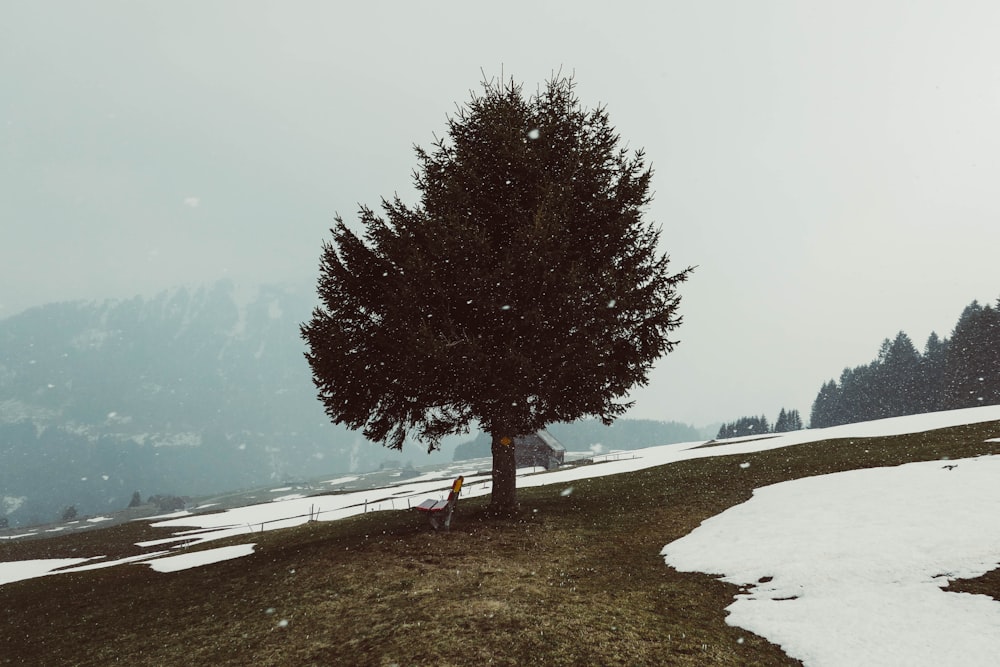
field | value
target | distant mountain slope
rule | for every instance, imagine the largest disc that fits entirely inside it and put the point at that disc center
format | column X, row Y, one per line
column 193, row 391
column 592, row 435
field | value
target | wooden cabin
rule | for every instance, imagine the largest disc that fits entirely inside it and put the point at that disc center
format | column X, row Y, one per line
column 538, row 450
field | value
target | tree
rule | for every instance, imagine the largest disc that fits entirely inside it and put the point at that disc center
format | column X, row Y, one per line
column 898, row 377
column 859, row 398
column 826, row 409
column 972, row 372
column 932, row 373
column 788, row 420
column 525, row 289
column 744, row 426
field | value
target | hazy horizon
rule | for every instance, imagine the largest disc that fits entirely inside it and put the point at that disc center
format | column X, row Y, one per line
column 829, row 169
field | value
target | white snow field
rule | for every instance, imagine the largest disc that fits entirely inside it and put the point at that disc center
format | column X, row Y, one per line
column 844, row 569
column 848, row 568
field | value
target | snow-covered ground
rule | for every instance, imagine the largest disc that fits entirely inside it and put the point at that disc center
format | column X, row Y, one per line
column 848, row 568
column 841, row 569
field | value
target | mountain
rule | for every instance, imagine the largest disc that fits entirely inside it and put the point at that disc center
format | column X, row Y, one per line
column 193, row 391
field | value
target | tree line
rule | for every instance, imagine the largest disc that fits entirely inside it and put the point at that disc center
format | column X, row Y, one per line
column 957, row 372
column 788, row 420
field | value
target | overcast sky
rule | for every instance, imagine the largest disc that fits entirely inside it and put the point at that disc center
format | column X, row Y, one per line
column 831, row 168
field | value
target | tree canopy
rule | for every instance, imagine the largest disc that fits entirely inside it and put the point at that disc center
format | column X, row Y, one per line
column 525, row 288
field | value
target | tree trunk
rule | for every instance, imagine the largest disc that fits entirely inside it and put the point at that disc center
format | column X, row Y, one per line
column 503, row 499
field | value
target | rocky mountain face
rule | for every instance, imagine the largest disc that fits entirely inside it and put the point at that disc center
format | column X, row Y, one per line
column 194, row 391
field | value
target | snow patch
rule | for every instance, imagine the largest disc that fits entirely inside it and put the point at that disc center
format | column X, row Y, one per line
column 290, row 496
column 199, row 558
column 29, row 569
column 848, row 568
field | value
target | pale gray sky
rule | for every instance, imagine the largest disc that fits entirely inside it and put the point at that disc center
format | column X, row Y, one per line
column 830, row 167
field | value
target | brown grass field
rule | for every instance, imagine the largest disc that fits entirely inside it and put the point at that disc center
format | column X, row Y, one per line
column 573, row 580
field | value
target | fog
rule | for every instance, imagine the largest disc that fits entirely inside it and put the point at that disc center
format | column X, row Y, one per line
column 830, row 168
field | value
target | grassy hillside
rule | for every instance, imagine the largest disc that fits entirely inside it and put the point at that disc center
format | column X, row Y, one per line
column 577, row 580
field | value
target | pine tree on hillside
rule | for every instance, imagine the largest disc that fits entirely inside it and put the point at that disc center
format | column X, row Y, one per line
column 743, row 427
column 788, row 421
column 898, row 378
column 932, row 374
column 859, row 394
column 763, row 425
column 826, row 408
column 991, row 355
column 972, row 369
column 525, row 289
column 961, row 389
column 781, row 423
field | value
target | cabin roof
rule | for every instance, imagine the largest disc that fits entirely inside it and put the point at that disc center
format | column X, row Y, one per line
column 545, row 437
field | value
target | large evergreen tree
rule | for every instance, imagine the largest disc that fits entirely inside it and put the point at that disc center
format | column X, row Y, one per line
column 898, row 378
column 526, row 288
column 932, row 373
column 972, row 372
column 826, row 409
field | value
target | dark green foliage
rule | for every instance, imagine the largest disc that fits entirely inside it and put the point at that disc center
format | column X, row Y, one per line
column 524, row 289
column 898, row 377
column 744, row 426
column 972, row 373
column 826, row 407
column 69, row 513
column 932, row 374
column 136, row 500
column 960, row 372
column 788, row 420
